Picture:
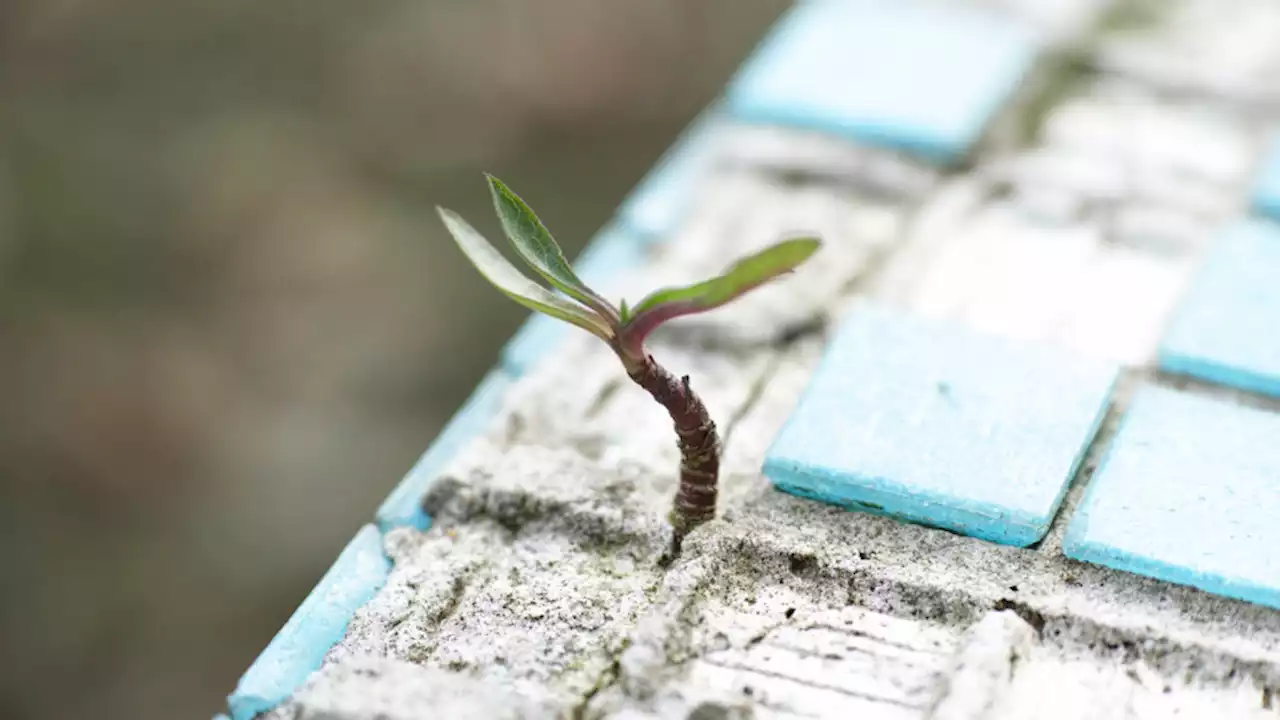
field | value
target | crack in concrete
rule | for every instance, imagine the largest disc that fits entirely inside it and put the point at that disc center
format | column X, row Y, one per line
column 1058, row 628
column 607, row 679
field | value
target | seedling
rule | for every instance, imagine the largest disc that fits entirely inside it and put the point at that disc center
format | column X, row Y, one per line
column 625, row 328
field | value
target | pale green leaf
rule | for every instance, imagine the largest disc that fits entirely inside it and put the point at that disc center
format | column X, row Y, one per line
column 510, row 281
column 742, row 276
column 535, row 245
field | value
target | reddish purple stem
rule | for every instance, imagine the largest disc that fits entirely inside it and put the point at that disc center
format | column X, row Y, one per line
column 695, row 501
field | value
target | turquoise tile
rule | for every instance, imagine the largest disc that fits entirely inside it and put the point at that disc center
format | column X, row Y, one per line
column 657, row 206
column 1188, row 492
column 934, row 424
column 912, row 75
column 610, row 254
column 1225, row 328
column 1266, row 193
column 403, row 507
column 318, row 623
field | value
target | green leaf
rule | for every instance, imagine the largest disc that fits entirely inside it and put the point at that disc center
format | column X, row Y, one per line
column 742, row 276
column 536, row 246
column 510, row 281
column 749, row 272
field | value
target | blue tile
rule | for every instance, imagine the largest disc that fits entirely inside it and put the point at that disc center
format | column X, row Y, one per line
column 934, row 424
column 656, row 207
column 403, row 507
column 1225, row 329
column 1266, row 194
column 1187, row 492
column 610, row 254
column 911, row 75
column 318, row 623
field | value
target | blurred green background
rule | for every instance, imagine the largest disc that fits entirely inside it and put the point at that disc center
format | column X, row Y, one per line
column 229, row 321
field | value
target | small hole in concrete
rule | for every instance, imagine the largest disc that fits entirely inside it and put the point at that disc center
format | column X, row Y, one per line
column 790, row 612
column 801, row 562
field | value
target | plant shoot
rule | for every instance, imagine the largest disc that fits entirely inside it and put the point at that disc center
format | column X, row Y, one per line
column 625, row 328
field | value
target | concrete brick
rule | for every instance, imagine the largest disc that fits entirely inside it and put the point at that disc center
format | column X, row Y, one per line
column 933, row 424
column 1223, row 49
column 1089, row 238
column 982, row 670
column 832, row 664
column 919, row 77
column 395, row 690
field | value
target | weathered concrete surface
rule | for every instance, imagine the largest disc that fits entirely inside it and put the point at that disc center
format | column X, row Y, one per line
column 1119, row 194
column 366, row 687
column 536, row 570
column 538, row 592
column 541, row 578
column 1222, row 49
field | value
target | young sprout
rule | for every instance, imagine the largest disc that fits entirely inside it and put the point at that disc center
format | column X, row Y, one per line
column 624, row 328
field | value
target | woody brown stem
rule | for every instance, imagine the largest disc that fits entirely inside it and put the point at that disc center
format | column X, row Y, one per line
column 695, row 501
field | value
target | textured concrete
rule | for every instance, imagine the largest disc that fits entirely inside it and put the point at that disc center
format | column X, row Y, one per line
column 394, row 690
column 540, row 578
column 1223, row 49
column 984, row 667
column 1088, row 237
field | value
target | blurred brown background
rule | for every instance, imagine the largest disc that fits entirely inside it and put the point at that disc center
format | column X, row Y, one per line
column 229, row 321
